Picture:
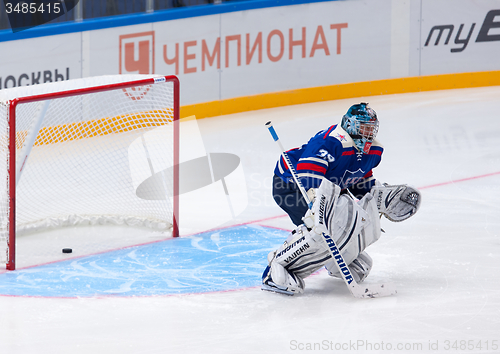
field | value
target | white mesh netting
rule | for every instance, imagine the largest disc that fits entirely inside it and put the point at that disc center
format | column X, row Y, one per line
column 91, row 154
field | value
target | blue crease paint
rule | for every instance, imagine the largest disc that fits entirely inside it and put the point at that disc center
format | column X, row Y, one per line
column 221, row 260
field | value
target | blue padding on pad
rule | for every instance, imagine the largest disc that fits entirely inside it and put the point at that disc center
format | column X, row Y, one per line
column 220, row 260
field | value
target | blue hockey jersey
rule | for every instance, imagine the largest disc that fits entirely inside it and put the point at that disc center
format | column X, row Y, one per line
column 332, row 154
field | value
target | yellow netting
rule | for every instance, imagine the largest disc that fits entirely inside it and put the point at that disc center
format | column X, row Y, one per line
column 100, row 127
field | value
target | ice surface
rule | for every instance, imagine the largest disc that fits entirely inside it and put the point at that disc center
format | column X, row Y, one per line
column 445, row 261
column 223, row 260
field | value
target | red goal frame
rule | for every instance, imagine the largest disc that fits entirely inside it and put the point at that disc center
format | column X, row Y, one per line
column 11, row 240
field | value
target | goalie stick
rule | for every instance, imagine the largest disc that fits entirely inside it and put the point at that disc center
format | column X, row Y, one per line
column 358, row 291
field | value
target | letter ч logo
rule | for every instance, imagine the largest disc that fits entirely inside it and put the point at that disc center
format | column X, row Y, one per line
column 137, row 53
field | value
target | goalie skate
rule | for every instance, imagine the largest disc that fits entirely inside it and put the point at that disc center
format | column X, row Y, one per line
column 285, row 283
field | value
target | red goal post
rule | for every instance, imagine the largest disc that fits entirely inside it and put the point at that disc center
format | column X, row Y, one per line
column 94, row 150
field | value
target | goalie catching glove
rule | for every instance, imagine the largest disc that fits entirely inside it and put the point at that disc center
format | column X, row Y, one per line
column 398, row 202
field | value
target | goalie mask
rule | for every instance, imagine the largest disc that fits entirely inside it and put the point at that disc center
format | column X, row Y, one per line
column 361, row 123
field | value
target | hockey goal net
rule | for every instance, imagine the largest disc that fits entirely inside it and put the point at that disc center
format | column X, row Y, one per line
column 93, row 151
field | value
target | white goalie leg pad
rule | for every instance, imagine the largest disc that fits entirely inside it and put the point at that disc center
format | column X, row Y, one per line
column 323, row 216
column 303, row 253
column 360, row 268
column 277, row 276
column 357, row 225
column 398, row 202
column 353, row 225
column 325, row 203
column 370, row 231
column 305, row 250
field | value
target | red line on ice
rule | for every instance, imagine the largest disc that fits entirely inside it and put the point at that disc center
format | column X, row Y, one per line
column 461, row 180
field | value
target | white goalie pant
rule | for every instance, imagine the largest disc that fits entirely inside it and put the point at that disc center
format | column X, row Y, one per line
column 354, row 226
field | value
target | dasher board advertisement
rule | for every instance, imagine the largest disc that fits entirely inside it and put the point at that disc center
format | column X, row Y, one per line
column 252, row 52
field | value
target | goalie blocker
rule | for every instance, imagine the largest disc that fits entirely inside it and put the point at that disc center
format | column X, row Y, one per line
column 354, row 225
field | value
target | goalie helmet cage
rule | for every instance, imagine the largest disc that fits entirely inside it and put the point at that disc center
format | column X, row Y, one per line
column 101, row 150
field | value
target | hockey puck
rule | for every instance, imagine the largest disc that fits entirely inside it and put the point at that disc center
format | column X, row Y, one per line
column 67, row 250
